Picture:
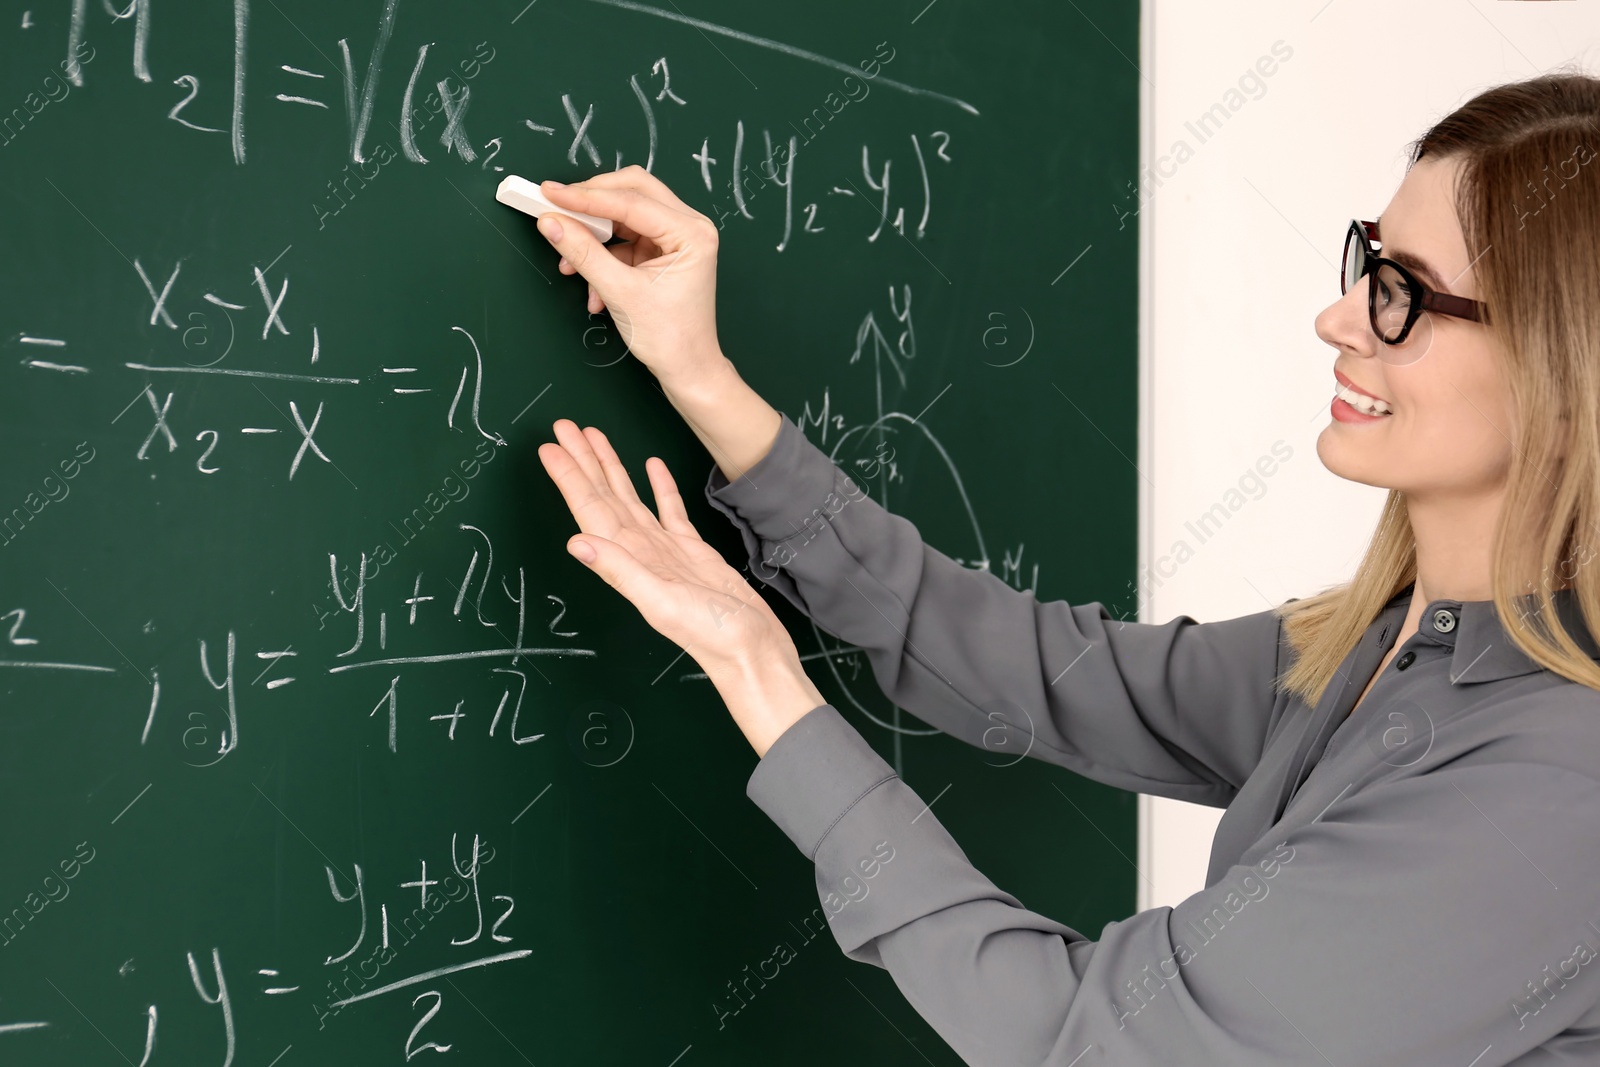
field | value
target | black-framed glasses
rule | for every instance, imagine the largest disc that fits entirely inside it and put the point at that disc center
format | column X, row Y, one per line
column 1396, row 299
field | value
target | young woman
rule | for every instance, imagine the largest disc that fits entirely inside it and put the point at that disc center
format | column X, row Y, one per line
column 1408, row 871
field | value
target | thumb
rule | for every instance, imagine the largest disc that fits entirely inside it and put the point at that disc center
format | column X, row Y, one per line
column 613, row 563
column 588, row 256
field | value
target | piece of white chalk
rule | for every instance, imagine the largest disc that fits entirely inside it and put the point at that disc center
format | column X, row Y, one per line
column 525, row 196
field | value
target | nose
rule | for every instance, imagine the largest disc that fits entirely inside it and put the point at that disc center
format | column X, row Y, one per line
column 1344, row 323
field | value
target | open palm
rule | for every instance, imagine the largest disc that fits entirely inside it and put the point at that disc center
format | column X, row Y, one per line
column 681, row 585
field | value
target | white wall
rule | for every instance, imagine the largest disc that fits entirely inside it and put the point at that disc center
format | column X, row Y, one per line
column 1239, row 248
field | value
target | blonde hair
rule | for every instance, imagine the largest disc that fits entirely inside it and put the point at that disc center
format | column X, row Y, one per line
column 1529, row 206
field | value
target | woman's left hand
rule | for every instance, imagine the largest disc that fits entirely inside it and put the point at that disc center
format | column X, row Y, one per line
column 681, row 585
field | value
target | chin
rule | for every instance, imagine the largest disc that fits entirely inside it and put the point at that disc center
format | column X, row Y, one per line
column 1339, row 461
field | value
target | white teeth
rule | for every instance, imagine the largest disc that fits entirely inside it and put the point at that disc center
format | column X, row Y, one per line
column 1360, row 401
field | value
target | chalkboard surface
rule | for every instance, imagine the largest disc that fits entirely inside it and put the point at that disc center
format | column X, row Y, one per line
column 315, row 746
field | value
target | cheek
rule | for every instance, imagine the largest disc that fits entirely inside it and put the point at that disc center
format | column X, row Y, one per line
column 1487, row 431
column 1455, row 415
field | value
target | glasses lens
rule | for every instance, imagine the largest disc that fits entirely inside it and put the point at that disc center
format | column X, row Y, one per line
column 1355, row 260
column 1390, row 303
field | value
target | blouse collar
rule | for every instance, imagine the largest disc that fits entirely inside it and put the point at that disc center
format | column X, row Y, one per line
column 1481, row 649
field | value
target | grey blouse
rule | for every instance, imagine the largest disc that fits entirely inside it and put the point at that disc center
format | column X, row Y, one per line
column 1416, row 883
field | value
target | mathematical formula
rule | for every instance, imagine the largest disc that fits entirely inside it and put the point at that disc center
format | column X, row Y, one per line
column 418, row 631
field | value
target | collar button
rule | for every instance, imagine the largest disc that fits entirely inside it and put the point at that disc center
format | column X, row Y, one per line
column 1406, row 659
column 1444, row 621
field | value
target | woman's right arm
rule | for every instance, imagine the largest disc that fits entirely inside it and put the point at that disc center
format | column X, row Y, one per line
column 1178, row 709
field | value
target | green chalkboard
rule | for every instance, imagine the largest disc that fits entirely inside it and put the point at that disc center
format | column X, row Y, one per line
column 272, row 523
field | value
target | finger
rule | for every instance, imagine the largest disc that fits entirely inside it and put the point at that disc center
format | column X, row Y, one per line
column 611, row 464
column 594, row 513
column 632, row 254
column 633, row 239
column 669, row 503
column 622, row 572
column 625, row 233
column 634, row 177
column 577, row 445
column 635, row 252
column 580, row 250
column 641, row 214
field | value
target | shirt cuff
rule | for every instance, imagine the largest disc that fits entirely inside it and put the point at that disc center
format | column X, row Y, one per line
column 815, row 772
column 784, row 494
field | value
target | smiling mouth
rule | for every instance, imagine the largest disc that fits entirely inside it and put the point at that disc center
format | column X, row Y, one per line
column 1367, row 405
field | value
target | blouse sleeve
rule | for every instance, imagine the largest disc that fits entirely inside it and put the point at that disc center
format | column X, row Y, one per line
column 1450, row 918
column 1178, row 709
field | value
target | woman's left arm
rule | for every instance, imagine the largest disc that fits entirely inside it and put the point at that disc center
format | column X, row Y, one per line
column 1449, row 918
column 1447, row 914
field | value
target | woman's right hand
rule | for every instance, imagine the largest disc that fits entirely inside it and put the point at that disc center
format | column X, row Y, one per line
column 661, row 285
column 661, row 288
